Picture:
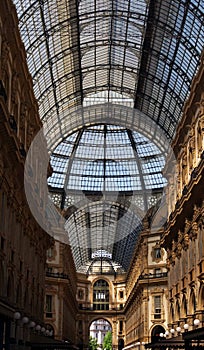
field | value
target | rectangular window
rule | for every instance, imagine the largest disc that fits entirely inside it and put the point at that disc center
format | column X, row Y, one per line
column 80, row 294
column 50, row 253
column 157, row 253
column 157, row 307
column 121, row 294
column 48, row 306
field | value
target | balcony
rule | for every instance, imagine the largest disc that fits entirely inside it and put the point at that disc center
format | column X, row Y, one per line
column 60, row 275
column 148, row 276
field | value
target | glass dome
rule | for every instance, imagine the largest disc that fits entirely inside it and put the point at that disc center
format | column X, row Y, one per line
column 106, row 159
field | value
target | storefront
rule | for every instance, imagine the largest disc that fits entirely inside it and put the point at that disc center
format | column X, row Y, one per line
column 175, row 343
column 194, row 339
column 190, row 340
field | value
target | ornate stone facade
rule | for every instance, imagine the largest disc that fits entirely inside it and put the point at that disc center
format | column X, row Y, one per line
column 23, row 243
column 146, row 286
column 183, row 236
column 60, row 296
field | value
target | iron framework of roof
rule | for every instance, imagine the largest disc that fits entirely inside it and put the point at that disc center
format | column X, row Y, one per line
column 136, row 53
column 146, row 50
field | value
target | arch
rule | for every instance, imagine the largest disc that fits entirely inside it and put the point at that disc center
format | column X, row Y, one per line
column 101, row 293
column 95, row 318
column 104, row 278
column 155, row 333
column 201, row 297
column 184, row 306
column 75, row 118
column 172, row 313
column 192, row 302
column 99, row 328
column 19, row 294
column 178, row 310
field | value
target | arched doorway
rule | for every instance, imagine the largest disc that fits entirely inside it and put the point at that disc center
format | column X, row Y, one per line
column 100, row 332
column 155, row 333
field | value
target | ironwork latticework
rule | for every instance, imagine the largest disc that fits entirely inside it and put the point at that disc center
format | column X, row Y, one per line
column 139, row 54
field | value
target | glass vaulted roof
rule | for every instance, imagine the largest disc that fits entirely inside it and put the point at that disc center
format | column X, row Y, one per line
column 146, row 51
column 141, row 54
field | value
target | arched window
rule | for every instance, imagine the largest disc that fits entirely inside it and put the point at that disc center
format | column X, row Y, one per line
column 192, row 303
column 178, row 310
column 10, row 287
column 101, row 295
column 184, row 306
column 19, row 294
column 156, row 332
column 201, row 298
column 172, row 312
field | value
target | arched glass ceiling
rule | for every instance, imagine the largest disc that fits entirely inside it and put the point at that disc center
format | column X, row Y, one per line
column 103, row 225
column 107, row 159
column 148, row 50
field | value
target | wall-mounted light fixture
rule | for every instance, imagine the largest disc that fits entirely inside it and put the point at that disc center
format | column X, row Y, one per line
column 196, row 322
